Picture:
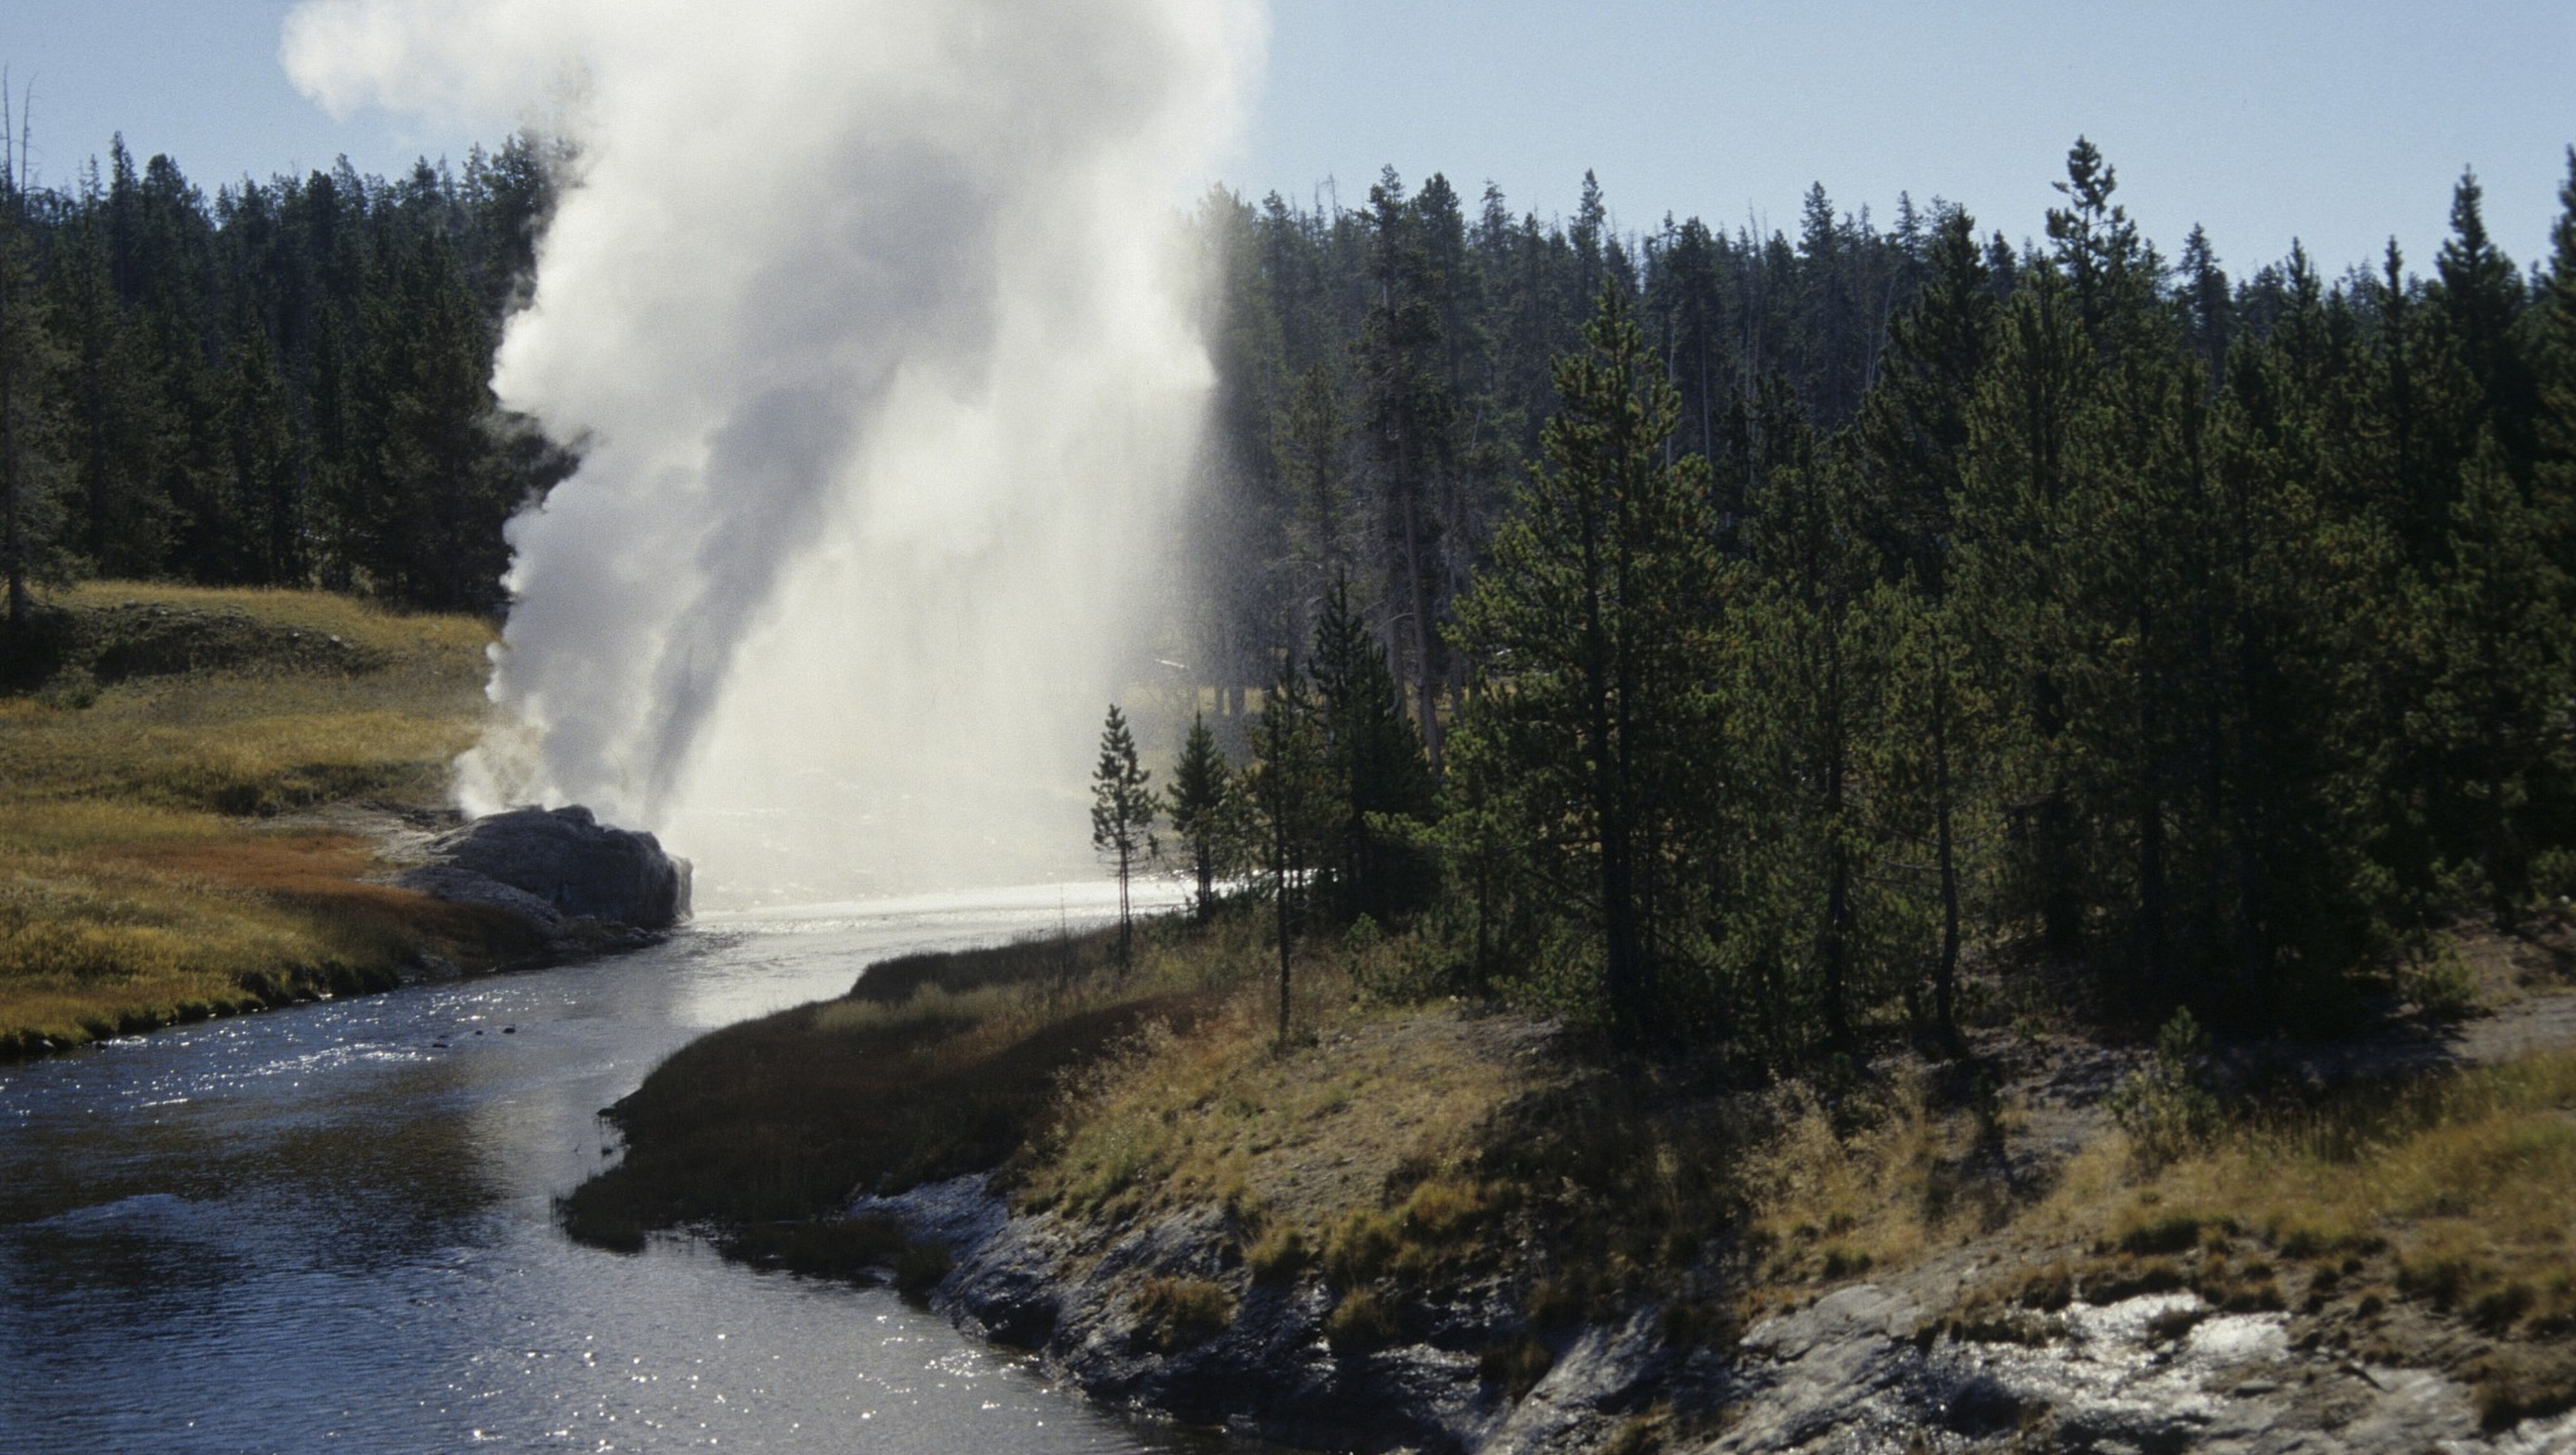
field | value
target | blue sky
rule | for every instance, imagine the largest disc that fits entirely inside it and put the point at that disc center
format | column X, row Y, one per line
column 2338, row 123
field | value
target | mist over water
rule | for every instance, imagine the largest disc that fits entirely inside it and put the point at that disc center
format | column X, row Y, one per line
column 876, row 325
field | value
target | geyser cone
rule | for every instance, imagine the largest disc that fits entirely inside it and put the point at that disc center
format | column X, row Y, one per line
column 876, row 325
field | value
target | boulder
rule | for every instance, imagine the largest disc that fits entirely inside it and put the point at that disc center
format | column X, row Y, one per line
column 556, row 867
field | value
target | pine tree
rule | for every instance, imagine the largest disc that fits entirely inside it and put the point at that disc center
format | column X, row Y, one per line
column 1410, row 418
column 2498, row 700
column 2209, row 309
column 1809, row 670
column 1202, row 811
column 1375, row 763
column 30, row 419
column 2284, row 755
column 2035, row 435
column 1590, row 626
column 1290, row 797
column 1925, row 755
column 1123, row 809
column 1243, row 523
column 1829, row 311
column 445, row 498
column 2480, row 299
column 1913, row 428
column 1695, row 323
column 1310, row 441
column 115, row 418
column 2553, row 355
column 2106, row 263
column 264, row 479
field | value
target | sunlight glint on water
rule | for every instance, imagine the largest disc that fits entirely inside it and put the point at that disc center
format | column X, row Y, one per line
column 322, row 1229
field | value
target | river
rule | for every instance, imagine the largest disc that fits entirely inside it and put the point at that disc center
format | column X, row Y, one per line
column 330, row 1228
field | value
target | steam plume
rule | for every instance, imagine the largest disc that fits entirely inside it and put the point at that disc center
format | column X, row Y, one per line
column 873, row 316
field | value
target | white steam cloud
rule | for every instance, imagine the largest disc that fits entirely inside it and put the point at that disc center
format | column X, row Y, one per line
column 878, row 328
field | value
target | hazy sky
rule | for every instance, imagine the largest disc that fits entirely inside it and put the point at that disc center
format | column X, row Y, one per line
column 2339, row 123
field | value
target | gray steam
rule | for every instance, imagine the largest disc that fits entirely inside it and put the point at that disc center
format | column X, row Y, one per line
column 877, row 322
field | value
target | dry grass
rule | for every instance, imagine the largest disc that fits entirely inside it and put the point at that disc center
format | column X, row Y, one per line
column 137, row 884
column 2457, row 1188
column 1179, row 1312
column 1106, row 1096
column 2418, row 1224
column 1900, row 1177
column 1368, row 1110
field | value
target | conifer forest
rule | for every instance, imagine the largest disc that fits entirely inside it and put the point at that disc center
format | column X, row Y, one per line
column 1759, row 641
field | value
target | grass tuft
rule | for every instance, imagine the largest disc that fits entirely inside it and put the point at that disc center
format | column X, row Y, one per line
column 1176, row 1313
column 1279, row 1257
column 1360, row 1322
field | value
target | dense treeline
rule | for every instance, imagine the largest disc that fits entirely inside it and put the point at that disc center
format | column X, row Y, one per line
column 1384, row 375
column 1697, row 629
column 1832, row 614
column 285, row 384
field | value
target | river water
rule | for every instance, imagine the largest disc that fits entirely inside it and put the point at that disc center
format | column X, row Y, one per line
column 330, row 1228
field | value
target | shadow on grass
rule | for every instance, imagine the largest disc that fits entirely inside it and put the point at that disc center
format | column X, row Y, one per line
column 945, row 1066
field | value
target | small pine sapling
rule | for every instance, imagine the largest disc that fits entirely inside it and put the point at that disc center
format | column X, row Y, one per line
column 1123, row 809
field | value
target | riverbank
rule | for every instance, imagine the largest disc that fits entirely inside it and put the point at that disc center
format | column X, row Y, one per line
column 1443, row 1226
column 198, row 792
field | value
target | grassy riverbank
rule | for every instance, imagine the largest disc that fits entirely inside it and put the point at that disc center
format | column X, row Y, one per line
column 177, row 770
column 1397, row 1151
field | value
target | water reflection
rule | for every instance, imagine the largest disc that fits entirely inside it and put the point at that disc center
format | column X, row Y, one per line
column 330, row 1228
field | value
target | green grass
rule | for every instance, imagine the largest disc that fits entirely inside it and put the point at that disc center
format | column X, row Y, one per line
column 154, row 737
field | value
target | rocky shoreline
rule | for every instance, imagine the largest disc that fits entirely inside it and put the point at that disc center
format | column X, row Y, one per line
column 1437, row 1226
column 1998, row 1344
column 1870, row 1367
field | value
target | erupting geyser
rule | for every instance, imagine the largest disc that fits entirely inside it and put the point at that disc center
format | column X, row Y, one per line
column 882, row 342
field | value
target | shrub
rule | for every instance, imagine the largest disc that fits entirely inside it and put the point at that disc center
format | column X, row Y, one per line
column 2438, row 982
column 2163, row 1106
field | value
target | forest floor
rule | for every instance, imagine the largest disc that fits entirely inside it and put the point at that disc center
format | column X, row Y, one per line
column 196, row 786
column 2398, row 1199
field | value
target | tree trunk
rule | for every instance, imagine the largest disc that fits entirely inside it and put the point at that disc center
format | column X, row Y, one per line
column 1837, row 946
column 2061, row 906
column 13, row 530
column 1426, row 687
column 1946, row 971
column 1279, row 873
column 1621, row 970
column 2152, row 910
column 1126, row 921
